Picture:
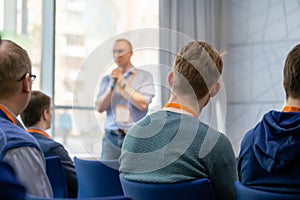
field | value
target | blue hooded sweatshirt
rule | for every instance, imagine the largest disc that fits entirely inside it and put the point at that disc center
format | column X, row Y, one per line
column 270, row 154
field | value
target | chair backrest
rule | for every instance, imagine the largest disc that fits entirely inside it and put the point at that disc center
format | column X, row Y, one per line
column 246, row 193
column 120, row 197
column 197, row 189
column 56, row 176
column 98, row 178
column 10, row 187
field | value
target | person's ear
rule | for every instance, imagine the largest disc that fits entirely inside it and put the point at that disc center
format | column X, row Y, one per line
column 44, row 114
column 284, row 88
column 283, row 85
column 130, row 53
column 215, row 89
column 170, row 78
column 26, row 84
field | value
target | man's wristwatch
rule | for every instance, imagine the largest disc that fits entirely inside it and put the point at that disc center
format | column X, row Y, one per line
column 123, row 85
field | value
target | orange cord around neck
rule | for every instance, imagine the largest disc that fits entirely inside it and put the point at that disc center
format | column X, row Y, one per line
column 291, row 109
column 32, row 130
column 182, row 107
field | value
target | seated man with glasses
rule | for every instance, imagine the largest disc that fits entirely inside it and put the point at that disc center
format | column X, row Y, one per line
column 17, row 147
column 31, row 76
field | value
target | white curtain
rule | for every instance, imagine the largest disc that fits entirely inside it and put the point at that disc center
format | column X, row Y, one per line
column 182, row 21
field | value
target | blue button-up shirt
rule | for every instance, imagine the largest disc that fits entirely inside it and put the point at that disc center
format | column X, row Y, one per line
column 142, row 82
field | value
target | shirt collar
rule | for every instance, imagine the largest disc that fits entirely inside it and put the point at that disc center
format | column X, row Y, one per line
column 33, row 129
column 8, row 114
column 130, row 71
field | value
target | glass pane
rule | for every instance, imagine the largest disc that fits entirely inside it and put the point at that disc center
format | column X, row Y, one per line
column 85, row 31
column 82, row 26
column 21, row 21
column 81, row 139
column 2, row 14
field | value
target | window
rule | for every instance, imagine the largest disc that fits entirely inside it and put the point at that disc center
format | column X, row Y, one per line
column 74, row 40
column 81, row 28
column 21, row 21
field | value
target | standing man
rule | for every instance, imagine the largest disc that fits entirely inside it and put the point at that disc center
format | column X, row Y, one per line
column 125, row 95
column 17, row 147
column 269, row 155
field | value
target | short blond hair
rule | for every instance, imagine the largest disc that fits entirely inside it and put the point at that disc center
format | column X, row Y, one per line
column 125, row 40
column 196, row 68
column 14, row 63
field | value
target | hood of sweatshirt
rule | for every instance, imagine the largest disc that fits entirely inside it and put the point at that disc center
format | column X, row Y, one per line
column 276, row 140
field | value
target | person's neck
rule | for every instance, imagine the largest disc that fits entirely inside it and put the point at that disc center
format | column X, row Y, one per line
column 292, row 102
column 187, row 101
column 11, row 105
column 127, row 67
column 40, row 125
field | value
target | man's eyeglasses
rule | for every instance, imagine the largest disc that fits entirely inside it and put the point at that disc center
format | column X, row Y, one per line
column 32, row 77
column 121, row 51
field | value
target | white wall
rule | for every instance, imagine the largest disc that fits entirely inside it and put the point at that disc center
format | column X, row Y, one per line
column 259, row 33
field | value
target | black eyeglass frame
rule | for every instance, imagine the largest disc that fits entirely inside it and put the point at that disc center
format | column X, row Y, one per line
column 32, row 77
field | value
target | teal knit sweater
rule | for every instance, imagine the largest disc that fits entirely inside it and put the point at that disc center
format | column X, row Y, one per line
column 168, row 147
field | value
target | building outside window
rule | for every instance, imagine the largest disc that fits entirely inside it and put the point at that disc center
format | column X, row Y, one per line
column 81, row 26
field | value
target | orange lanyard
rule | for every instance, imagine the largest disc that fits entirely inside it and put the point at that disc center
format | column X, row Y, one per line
column 291, row 109
column 30, row 130
column 8, row 114
column 182, row 107
column 133, row 76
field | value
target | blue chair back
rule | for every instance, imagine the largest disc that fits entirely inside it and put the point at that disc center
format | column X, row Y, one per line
column 56, row 176
column 10, row 187
column 247, row 193
column 192, row 190
column 98, row 178
column 32, row 197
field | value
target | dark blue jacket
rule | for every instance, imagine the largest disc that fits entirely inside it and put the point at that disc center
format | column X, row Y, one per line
column 53, row 148
column 270, row 153
column 13, row 136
